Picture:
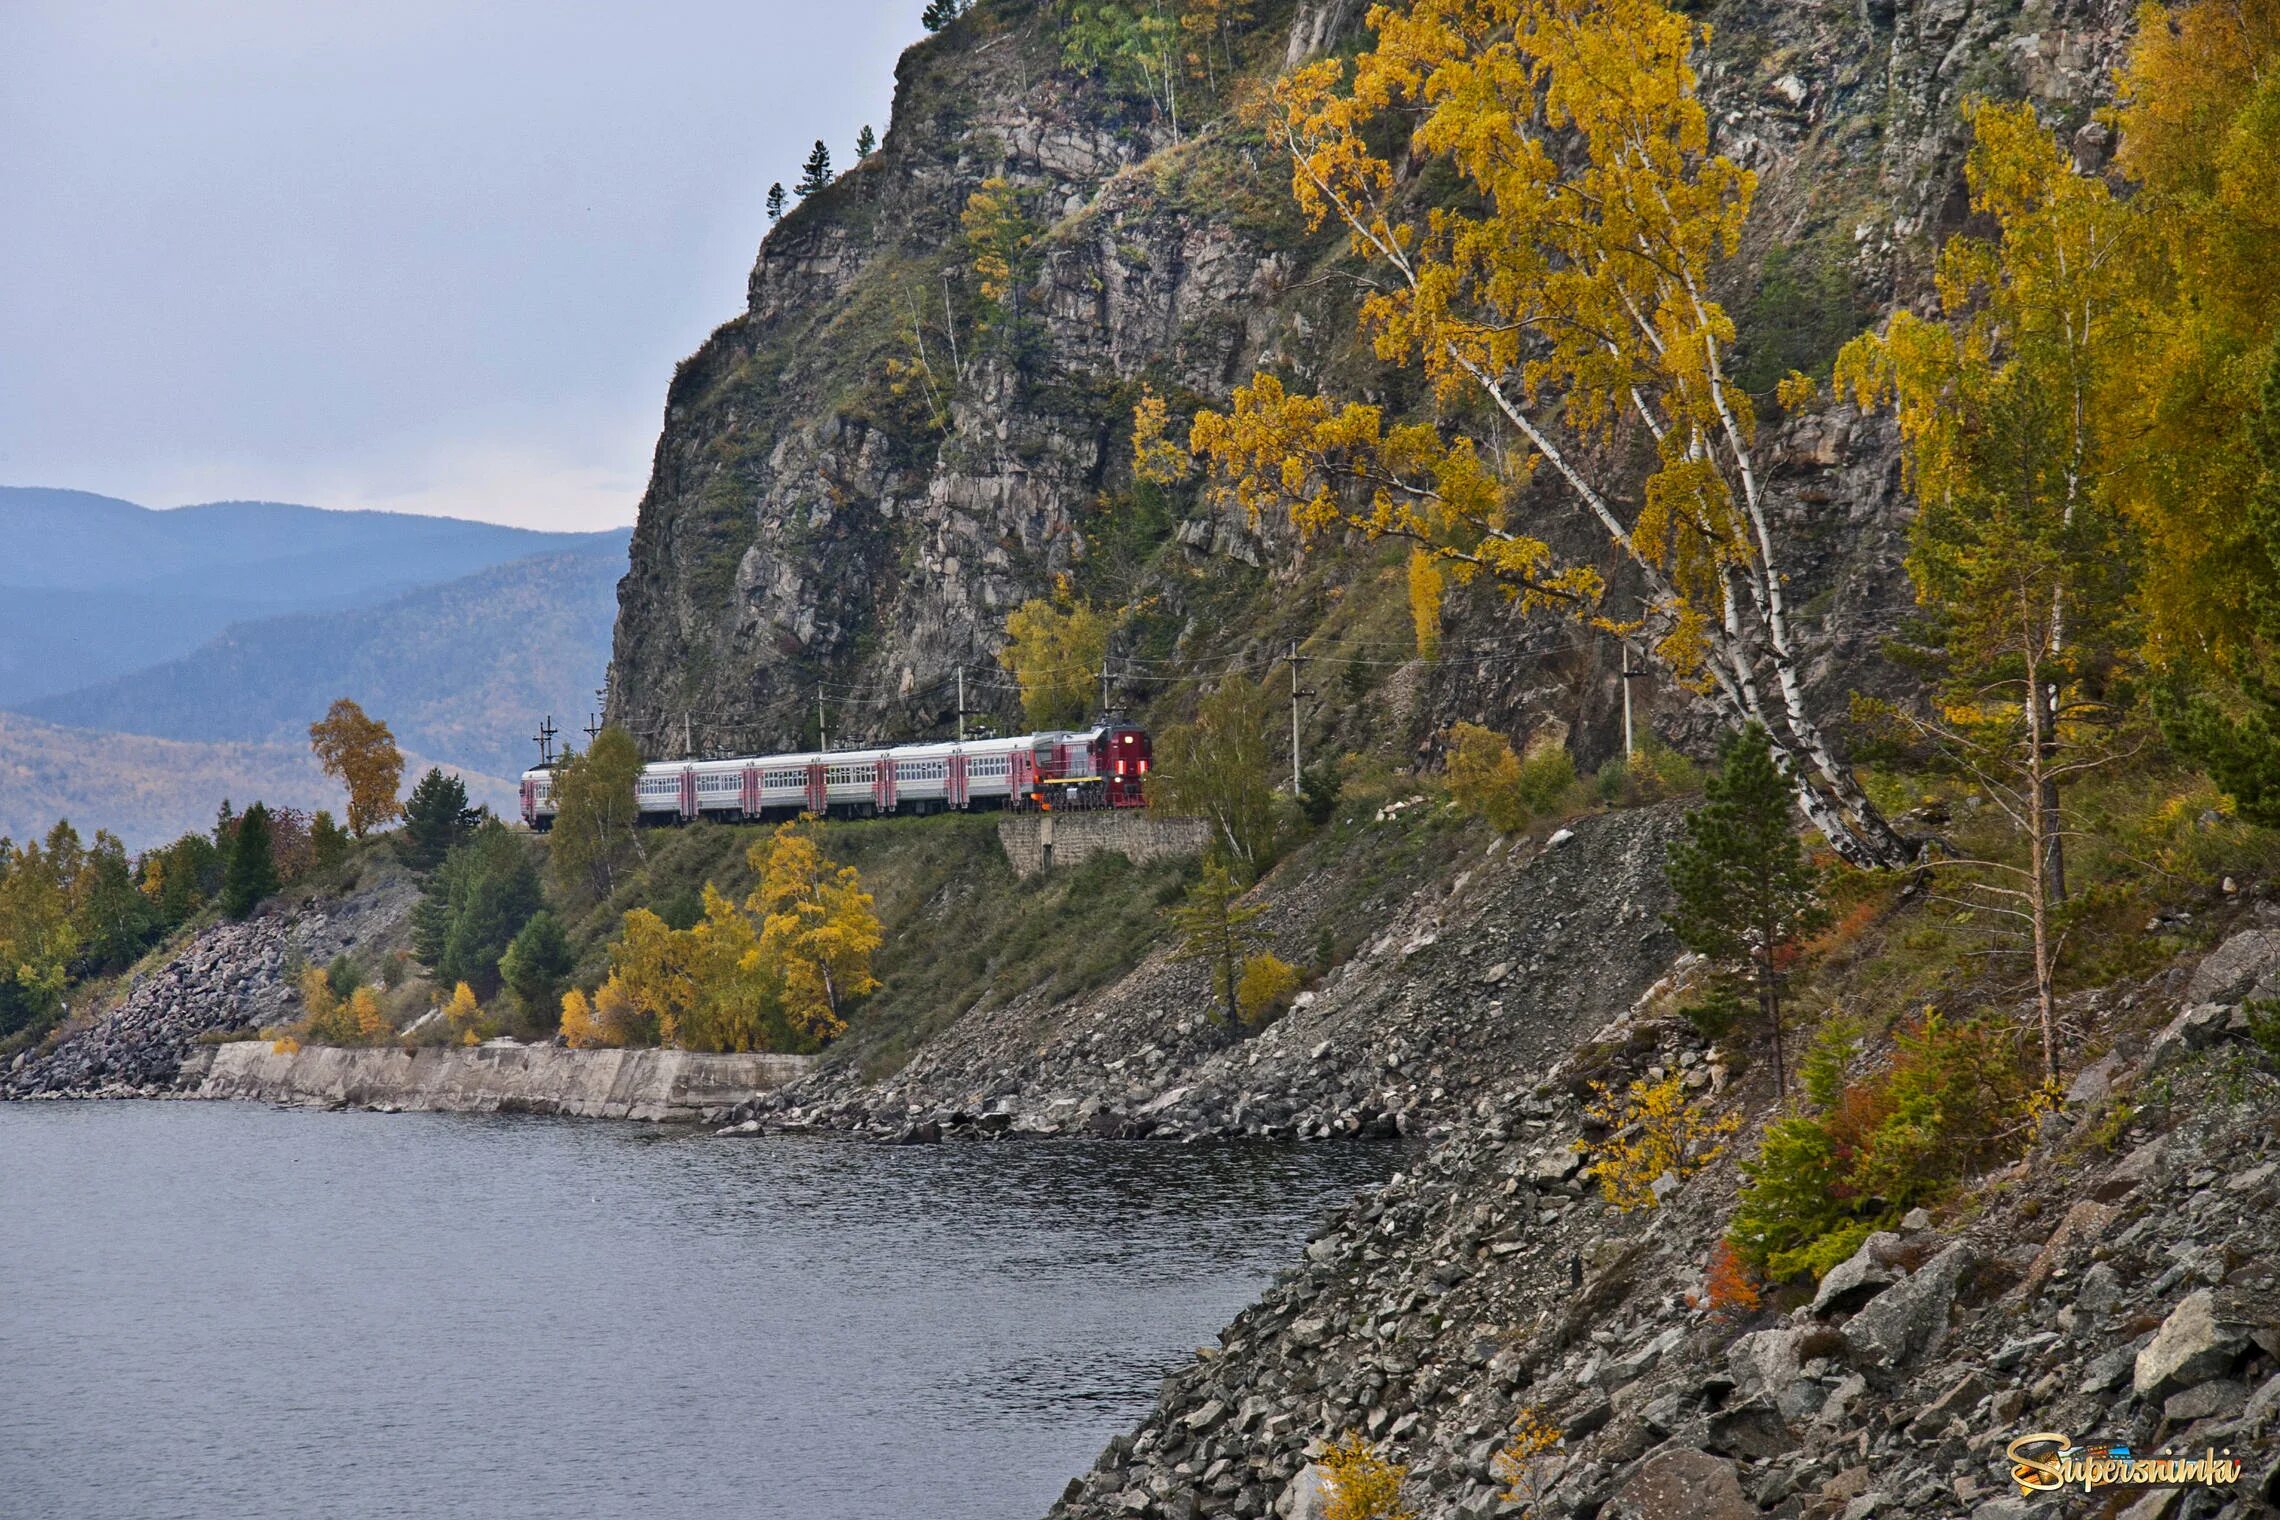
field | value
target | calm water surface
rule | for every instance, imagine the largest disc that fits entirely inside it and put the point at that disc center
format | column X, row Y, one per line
column 220, row 1309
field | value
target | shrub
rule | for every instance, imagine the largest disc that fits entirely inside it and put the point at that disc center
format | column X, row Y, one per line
column 1485, row 777
column 1363, row 1485
column 1729, row 1287
column 1547, row 774
column 1520, row 1465
column 1266, row 987
column 1953, row 1097
column 1657, row 1131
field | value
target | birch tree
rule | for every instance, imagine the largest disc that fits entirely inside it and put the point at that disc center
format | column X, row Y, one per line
column 1561, row 307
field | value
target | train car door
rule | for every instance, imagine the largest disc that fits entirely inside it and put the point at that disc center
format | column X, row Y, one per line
column 688, row 791
column 883, row 784
column 954, row 783
column 1021, row 767
column 751, row 803
column 529, row 801
column 818, row 801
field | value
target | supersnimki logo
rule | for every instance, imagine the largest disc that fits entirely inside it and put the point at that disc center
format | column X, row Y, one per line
column 2047, row 1461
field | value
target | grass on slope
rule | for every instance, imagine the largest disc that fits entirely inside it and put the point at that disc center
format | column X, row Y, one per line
column 961, row 928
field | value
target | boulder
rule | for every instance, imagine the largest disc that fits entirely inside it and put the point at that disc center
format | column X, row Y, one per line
column 1684, row 1484
column 1764, row 1361
column 1307, row 1496
column 2204, row 1335
column 1860, row 1276
column 2196, row 1027
column 1909, row 1319
column 2248, row 964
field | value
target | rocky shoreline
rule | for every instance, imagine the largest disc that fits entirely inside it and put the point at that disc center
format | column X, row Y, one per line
column 2114, row 1289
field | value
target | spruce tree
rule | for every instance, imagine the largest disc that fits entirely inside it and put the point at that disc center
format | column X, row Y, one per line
column 1747, row 894
column 435, row 818
column 776, row 201
column 252, row 873
column 817, row 172
column 864, row 143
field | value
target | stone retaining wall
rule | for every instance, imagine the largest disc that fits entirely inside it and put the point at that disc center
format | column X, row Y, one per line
column 668, row 1085
column 1040, row 841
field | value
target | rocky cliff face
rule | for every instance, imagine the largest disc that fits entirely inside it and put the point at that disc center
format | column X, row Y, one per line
column 807, row 527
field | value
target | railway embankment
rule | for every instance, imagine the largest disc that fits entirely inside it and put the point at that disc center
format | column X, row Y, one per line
column 501, row 1076
column 1454, row 958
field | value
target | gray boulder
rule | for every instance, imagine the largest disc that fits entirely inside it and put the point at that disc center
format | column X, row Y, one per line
column 2248, row 964
column 1681, row 1485
column 1860, row 1277
column 1908, row 1320
column 2205, row 1334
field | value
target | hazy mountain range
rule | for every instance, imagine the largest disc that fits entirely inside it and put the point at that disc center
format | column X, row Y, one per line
column 226, row 629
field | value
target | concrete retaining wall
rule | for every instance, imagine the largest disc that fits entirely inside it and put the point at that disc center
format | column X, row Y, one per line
column 670, row 1085
column 1040, row 841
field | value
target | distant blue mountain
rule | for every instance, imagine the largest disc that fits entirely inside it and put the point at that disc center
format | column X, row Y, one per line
column 462, row 671
column 92, row 588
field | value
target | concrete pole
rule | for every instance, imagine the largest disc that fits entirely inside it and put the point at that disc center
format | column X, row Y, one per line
column 961, row 704
column 1626, row 701
column 1294, row 717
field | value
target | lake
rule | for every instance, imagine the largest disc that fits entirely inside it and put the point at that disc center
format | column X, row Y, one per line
column 215, row 1309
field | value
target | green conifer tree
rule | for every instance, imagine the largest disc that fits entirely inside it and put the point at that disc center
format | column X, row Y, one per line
column 1747, row 894
column 816, row 173
column 1216, row 928
column 436, row 817
column 776, row 201
column 864, row 143
column 252, row 872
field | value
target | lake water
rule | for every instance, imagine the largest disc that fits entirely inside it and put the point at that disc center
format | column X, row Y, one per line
column 217, row 1310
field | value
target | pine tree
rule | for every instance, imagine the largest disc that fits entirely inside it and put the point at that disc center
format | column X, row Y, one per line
column 940, row 13
column 816, row 173
column 252, row 873
column 776, row 201
column 1216, row 929
column 328, row 841
column 435, row 818
column 864, row 143
column 1747, row 894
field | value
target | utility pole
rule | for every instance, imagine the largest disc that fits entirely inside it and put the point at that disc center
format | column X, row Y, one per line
column 822, row 737
column 593, row 729
column 688, row 745
column 1295, row 694
column 1629, row 675
column 1104, row 686
column 545, row 737
column 961, row 704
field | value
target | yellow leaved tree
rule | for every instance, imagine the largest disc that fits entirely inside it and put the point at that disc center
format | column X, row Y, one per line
column 359, row 752
column 817, row 929
column 1053, row 650
column 1561, row 309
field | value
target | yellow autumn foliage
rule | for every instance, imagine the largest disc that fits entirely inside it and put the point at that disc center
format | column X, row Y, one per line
column 1362, row 1484
column 1657, row 1130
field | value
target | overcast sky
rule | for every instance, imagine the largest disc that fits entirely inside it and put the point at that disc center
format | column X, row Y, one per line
column 428, row 255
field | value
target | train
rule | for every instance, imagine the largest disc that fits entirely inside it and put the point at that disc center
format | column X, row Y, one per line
column 1102, row 767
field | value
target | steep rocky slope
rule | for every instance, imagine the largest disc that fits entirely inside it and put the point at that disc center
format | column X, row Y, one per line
column 2115, row 1285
